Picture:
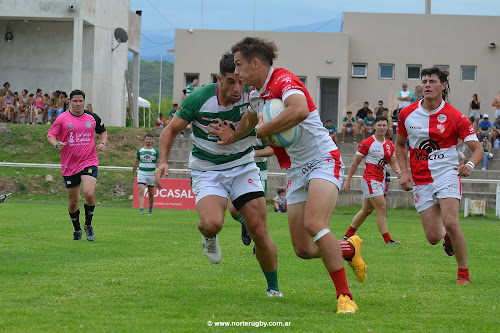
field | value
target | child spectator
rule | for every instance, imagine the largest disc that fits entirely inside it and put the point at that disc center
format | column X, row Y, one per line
column 332, row 130
column 280, row 204
column 160, row 122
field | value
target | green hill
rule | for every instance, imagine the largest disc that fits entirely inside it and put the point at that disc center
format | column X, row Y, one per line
column 28, row 144
column 149, row 83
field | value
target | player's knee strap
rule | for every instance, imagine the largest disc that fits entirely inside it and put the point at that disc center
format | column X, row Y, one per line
column 321, row 234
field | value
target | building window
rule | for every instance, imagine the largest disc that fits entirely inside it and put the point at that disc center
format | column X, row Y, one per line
column 214, row 78
column 468, row 73
column 413, row 72
column 386, row 71
column 359, row 70
column 444, row 67
column 190, row 78
column 303, row 79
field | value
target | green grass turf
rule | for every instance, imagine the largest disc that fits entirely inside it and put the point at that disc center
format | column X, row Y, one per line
column 149, row 273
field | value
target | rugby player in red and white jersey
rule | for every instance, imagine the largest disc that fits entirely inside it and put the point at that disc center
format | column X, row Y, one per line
column 76, row 130
column 313, row 162
column 377, row 152
column 432, row 127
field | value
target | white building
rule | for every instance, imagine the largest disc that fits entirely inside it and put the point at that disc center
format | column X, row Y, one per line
column 368, row 61
column 66, row 45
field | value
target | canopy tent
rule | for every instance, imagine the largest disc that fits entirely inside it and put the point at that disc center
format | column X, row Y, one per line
column 143, row 104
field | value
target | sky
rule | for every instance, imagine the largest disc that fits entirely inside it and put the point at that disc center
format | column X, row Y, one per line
column 160, row 18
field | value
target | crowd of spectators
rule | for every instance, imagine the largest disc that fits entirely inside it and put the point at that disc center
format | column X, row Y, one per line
column 34, row 108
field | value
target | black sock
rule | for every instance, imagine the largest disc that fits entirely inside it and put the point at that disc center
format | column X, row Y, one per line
column 89, row 213
column 75, row 219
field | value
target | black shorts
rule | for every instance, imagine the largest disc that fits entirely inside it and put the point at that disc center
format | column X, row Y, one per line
column 76, row 179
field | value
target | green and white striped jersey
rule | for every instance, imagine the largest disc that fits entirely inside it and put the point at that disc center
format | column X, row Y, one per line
column 202, row 108
column 147, row 160
column 261, row 161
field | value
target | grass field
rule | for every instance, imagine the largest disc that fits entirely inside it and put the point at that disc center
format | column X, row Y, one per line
column 149, row 273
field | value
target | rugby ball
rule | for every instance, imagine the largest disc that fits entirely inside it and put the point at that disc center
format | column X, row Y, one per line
column 272, row 109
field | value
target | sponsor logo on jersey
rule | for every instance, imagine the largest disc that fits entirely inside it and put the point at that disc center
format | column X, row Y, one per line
column 415, row 127
column 381, row 164
column 428, row 146
column 88, row 124
column 70, row 126
column 441, row 127
column 250, row 180
column 441, row 118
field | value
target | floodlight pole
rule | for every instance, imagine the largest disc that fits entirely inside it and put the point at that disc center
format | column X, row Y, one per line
column 161, row 65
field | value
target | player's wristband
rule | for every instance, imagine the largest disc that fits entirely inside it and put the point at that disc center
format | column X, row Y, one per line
column 469, row 163
column 56, row 145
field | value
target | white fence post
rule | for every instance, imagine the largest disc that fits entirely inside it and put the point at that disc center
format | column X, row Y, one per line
column 497, row 209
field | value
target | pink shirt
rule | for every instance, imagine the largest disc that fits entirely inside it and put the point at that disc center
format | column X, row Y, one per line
column 79, row 134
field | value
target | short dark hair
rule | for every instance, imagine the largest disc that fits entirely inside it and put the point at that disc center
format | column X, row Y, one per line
column 369, row 111
column 381, row 102
column 366, row 103
column 175, row 104
column 349, row 112
column 25, row 90
column 441, row 74
column 329, row 121
column 76, row 92
column 149, row 135
column 6, row 83
column 226, row 64
column 380, row 118
column 281, row 191
column 255, row 47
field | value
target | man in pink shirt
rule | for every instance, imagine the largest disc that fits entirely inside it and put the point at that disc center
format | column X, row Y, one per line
column 75, row 129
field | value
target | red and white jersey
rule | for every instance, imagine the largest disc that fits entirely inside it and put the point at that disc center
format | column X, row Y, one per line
column 313, row 139
column 377, row 155
column 433, row 137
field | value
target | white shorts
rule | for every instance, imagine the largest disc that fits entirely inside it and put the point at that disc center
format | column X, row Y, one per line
column 475, row 114
column 372, row 188
column 497, row 113
column 426, row 196
column 231, row 183
column 146, row 179
column 329, row 167
column 348, row 129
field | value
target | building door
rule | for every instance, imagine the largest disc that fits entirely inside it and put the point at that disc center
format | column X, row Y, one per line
column 329, row 100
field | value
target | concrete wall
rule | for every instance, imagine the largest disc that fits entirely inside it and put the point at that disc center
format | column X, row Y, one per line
column 426, row 40
column 45, row 54
column 398, row 39
column 200, row 51
column 32, row 60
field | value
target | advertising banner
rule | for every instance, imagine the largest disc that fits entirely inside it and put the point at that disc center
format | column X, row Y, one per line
column 175, row 194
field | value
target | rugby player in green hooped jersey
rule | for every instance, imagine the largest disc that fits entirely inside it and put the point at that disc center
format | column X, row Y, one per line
column 219, row 173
